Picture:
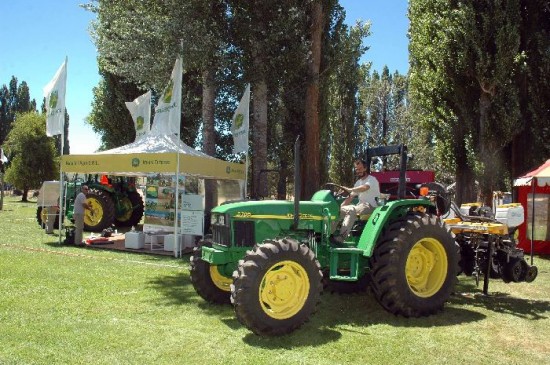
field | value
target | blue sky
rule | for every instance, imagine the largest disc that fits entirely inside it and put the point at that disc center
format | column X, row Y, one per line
column 38, row 34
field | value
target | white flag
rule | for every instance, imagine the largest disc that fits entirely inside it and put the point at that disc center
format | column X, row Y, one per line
column 54, row 92
column 3, row 157
column 240, row 121
column 140, row 109
column 168, row 110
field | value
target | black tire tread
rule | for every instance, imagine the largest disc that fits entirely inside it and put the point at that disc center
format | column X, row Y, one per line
column 388, row 281
column 201, row 279
column 108, row 210
column 248, row 276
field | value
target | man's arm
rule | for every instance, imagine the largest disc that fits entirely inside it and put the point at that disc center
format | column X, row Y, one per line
column 358, row 189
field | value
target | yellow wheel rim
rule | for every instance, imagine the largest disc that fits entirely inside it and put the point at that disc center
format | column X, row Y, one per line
column 44, row 215
column 93, row 216
column 220, row 281
column 126, row 204
column 426, row 268
column 284, row 290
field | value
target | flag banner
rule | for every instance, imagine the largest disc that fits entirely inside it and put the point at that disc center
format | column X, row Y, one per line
column 168, row 110
column 240, row 122
column 54, row 92
column 3, row 157
column 140, row 109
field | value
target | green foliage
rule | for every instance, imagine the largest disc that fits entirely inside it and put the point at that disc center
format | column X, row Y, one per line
column 342, row 85
column 28, row 170
column 464, row 57
column 385, row 115
column 15, row 99
column 109, row 116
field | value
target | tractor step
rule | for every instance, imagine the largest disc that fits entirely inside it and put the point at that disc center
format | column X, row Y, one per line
column 342, row 278
column 350, row 253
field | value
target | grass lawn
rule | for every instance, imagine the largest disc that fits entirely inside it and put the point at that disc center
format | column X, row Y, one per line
column 72, row 305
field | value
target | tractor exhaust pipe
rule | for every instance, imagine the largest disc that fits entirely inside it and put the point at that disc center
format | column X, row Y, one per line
column 297, row 183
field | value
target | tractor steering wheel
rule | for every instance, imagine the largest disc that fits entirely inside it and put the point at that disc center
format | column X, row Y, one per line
column 336, row 190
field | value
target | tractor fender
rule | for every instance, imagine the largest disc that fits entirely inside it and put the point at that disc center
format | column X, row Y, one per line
column 382, row 216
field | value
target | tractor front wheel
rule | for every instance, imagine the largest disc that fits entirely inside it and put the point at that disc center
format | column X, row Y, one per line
column 414, row 266
column 212, row 285
column 276, row 287
column 101, row 213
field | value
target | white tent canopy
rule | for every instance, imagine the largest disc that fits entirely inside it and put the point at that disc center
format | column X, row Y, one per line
column 154, row 153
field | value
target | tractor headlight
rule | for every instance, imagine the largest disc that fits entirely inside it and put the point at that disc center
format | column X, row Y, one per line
column 218, row 219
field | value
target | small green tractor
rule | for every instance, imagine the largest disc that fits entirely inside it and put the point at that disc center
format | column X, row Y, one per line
column 113, row 200
column 272, row 259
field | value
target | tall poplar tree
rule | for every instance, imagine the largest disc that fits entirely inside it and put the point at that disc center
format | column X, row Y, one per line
column 464, row 56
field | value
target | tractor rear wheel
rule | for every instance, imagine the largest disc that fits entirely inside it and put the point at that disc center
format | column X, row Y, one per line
column 102, row 212
column 131, row 210
column 414, row 266
column 212, row 285
column 277, row 287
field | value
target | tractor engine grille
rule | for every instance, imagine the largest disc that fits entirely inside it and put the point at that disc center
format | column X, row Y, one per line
column 221, row 234
column 244, row 233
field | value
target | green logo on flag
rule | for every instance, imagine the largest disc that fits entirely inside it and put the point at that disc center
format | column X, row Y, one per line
column 53, row 99
column 167, row 96
column 135, row 162
column 239, row 119
column 139, row 123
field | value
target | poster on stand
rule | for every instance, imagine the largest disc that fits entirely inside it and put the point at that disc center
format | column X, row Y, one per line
column 160, row 202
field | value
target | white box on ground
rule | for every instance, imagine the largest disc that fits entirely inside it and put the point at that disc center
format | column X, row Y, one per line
column 510, row 214
column 188, row 241
column 135, row 240
column 169, row 242
column 157, row 239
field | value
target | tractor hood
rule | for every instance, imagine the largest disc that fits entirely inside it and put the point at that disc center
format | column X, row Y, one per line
column 281, row 209
column 254, row 221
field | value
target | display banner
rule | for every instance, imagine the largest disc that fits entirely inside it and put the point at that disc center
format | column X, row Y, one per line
column 240, row 123
column 168, row 110
column 54, row 92
column 143, row 163
column 140, row 109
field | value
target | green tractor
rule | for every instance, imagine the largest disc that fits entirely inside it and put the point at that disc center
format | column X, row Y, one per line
column 113, row 200
column 272, row 259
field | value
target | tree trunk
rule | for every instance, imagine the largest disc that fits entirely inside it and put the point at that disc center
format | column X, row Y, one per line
column 209, row 134
column 464, row 173
column 310, row 181
column 486, row 153
column 259, row 138
column 25, row 195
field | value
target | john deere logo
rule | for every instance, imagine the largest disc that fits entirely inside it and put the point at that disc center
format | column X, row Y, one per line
column 135, row 162
column 168, row 92
column 139, row 123
column 228, row 169
column 239, row 119
column 53, row 99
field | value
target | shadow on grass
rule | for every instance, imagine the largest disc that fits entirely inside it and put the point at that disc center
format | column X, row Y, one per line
column 301, row 338
column 501, row 302
column 355, row 313
column 176, row 289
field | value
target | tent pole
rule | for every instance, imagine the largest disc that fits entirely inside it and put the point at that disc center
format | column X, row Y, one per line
column 176, row 236
column 246, row 175
column 60, row 225
column 533, row 183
